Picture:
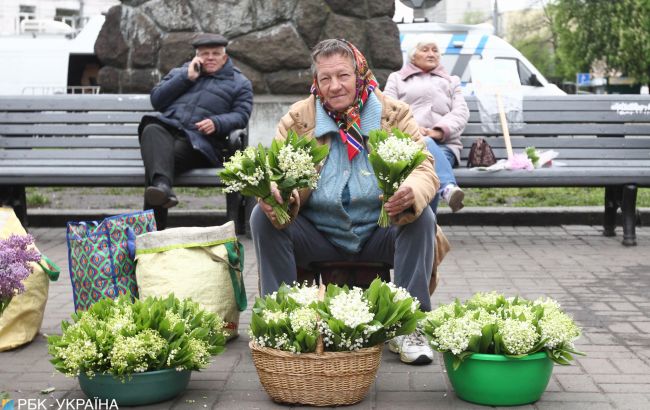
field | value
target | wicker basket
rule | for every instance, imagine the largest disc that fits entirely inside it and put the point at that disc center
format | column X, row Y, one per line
column 325, row 379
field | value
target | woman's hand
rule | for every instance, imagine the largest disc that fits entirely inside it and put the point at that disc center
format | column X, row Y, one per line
column 435, row 134
column 401, row 201
column 294, row 204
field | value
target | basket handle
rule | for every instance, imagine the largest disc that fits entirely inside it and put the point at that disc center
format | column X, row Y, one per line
column 320, row 347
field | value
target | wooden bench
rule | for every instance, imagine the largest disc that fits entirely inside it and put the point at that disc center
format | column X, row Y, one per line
column 84, row 140
column 602, row 140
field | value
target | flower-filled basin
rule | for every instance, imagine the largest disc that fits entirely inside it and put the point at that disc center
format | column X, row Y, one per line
column 137, row 352
column 324, row 348
column 498, row 350
column 498, row 380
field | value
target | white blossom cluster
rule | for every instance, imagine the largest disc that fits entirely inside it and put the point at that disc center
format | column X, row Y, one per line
column 394, row 149
column 485, row 299
column 351, row 308
column 297, row 163
column 346, row 341
column 454, row 334
column 559, row 329
column 280, row 342
column 274, row 315
column 304, row 295
column 519, row 337
column 304, row 318
column 135, row 351
column 235, row 165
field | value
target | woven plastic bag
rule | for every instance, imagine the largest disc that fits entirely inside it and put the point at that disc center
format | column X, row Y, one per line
column 22, row 319
column 100, row 256
column 204, row 264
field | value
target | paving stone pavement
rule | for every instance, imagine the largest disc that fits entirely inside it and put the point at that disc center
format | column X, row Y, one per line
column 604, row 285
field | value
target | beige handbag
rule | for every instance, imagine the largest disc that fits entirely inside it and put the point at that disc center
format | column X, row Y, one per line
column 204, row 264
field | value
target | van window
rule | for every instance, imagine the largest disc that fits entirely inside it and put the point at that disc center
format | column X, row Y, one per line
column 458, row 64
column 525, row 75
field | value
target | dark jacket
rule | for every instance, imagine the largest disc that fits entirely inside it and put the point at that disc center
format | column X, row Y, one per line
column 226, row 97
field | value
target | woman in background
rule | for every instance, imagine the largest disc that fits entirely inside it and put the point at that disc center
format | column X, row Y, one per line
column 440, row 110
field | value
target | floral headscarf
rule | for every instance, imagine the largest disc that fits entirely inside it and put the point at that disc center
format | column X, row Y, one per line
column 349, row 121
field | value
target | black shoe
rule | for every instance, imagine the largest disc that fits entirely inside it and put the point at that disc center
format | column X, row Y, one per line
column 160, row 194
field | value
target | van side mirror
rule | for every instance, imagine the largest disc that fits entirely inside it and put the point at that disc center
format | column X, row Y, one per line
column 534, row 81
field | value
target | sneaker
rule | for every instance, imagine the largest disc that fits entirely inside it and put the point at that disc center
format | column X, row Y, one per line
column 412, row 349
column 454, row 196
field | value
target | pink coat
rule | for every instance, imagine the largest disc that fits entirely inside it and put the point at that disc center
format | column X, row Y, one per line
column 436, row 101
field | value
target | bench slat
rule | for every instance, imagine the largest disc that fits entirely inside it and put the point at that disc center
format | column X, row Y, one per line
column 98, row 176
column 70, row 129
column 580, row 117
column 71, row 117
column 566, row 129
column 70, row 154
column 101, row 102
column 130, row 141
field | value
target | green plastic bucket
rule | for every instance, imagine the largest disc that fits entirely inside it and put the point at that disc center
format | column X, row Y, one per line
column 498, row 380
column 140, row 389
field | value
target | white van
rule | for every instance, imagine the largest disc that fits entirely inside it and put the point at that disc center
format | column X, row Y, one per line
column 460, row 43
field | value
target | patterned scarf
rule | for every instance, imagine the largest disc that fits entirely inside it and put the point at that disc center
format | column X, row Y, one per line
column 349, row 121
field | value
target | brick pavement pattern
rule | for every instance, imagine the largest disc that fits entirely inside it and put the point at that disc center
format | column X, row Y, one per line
column 604, row 285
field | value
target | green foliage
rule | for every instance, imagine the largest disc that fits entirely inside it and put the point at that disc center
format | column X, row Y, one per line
column 121, row 337
column 36, row 199
column 612, row 32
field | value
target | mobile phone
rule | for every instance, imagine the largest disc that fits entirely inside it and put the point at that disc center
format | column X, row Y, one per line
column 197, row 67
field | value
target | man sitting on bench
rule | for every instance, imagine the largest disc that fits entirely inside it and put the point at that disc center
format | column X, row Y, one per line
column 338, row 220
column 200, row 103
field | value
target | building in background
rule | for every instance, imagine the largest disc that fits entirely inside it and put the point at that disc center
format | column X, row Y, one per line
column 74, row 13
column 47, row 46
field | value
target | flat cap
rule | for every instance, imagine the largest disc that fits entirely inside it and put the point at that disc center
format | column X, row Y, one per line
column 209, row 39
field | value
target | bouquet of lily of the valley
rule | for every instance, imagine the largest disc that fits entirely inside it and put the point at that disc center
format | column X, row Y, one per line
column 121, row 337
column 493, row 324
column 15, row 258
column 293, row 318
column 394, row 156
column 290, row 164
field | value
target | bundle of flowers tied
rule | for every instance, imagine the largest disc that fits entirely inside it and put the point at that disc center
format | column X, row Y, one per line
column 292, row 318
column 493, row 324
column 289, row 164
column 394, row 156
column 121, row 338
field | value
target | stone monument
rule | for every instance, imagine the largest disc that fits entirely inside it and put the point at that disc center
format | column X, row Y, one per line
column 270, row 40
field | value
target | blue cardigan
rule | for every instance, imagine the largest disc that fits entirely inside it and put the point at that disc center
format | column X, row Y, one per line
column 345, row 206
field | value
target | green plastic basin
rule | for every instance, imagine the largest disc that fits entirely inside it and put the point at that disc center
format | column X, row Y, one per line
column 142, row 388
column 497, row 380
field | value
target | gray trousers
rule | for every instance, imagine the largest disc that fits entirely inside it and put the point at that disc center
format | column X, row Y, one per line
column 409, row 249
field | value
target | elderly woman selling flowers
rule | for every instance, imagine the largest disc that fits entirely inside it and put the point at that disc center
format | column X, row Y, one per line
column 337, row 221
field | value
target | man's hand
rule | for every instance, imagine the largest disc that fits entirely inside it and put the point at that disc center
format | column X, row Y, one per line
column 435, row 134
column 192, row 73
column 294, row 204
column 401, row 201
column 206, row 126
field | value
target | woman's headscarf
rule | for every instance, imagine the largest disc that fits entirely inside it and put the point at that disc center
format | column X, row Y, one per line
column 349, row 121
